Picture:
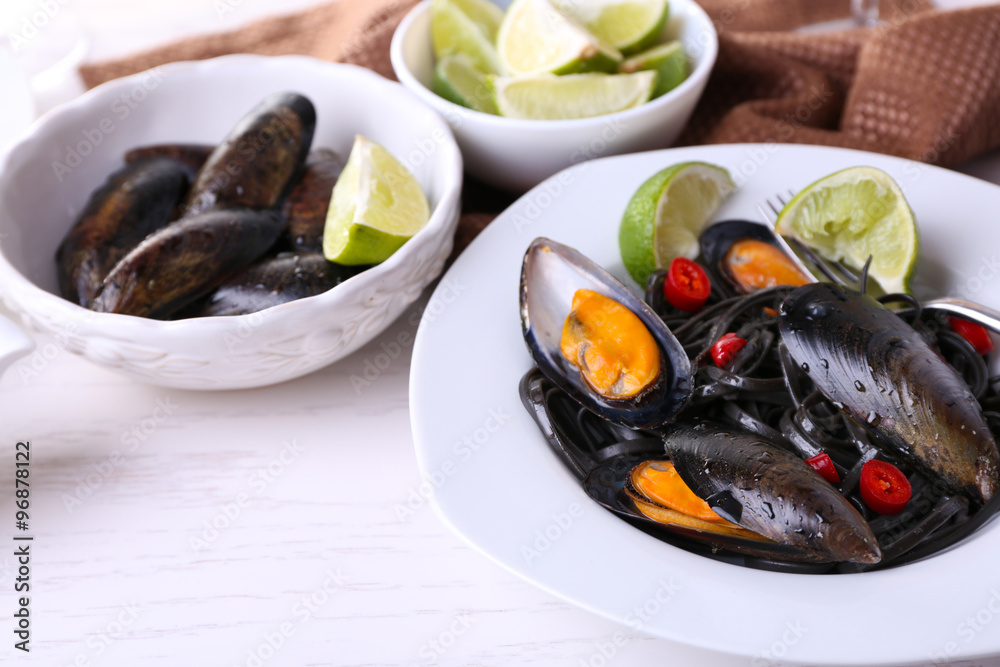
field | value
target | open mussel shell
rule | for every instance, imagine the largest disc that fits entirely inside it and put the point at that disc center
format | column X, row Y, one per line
column 768, row 490
column 718, row 239
column 882, row 373
column 608, row 484
column 550, row 276
column 601, row 456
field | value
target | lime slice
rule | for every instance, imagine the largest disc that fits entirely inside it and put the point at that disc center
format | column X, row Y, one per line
column 852, row 214
column 667, row 214
column 667, row 60
column 628, row 25
column 457, row 80
column 536, row 38
column 469, row 27
column 377, row 205
column 547, row 97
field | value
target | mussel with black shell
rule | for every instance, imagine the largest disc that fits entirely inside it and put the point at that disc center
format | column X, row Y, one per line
column 597, row 341
column 705, row 486
column 258, row 160
column 882, row 373
column 133, row 202
column 747, row 257
column 272, row 281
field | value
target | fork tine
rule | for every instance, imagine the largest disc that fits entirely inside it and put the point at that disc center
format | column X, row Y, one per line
column 844, row 271
column 864, row 276
column 768, row 220
column 776, row 209
column 820, row 265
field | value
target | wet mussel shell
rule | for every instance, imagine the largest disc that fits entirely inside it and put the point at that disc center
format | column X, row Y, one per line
column 550, row 276
column 885, row 376
column 600, row 456
column 608, row 485
column 768, row 490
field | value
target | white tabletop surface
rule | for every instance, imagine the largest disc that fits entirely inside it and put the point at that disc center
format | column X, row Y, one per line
column 280, row 526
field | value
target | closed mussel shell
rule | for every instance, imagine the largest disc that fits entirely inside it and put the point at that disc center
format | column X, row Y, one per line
column 136, row 200
column 186, row 260
column 254, row 166
column 276, row 280
column 886, row 377
column 190, row 156
column 307, row 203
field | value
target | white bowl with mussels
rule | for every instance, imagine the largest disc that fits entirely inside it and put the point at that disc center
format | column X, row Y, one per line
column 49, row 174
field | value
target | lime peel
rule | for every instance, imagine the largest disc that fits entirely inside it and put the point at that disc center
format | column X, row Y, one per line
column 667, row 214
column 376, row 206
column 854, row 213
column 549, row 97
column 536, row 38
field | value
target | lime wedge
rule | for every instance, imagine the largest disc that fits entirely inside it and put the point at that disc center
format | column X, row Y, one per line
column 456, row 79
column 667, row 214
column 628, row 25
column 852, row 214
column 469, row 27
column 536, row 38
column 548, row 97
column 667, row 60
column 377, row 205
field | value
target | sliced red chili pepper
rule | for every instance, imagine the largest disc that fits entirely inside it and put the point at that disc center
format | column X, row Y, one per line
column 686, row 285
column 976, row 334
column 822, row 464
column 884, row 487
column 726, row 348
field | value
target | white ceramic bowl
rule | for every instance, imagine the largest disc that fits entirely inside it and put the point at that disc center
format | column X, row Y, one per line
column 518, row 154
column 49, row 173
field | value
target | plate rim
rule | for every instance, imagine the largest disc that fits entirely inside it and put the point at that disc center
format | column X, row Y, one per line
column 859, row 653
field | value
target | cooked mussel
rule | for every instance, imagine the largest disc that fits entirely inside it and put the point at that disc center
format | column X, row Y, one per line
column 307, row 203
column 768, row 490
column 882, row 373
column 275, row 280
column 606, row 458
column 623, row 363
column 178, row 264
column 255, row 164
column 748, row 257
column 134, row 201
column 190, row 156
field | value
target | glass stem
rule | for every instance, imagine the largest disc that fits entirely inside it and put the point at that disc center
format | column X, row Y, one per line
column 865, row 12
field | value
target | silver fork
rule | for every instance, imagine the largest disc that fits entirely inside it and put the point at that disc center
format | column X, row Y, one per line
column 837, row 273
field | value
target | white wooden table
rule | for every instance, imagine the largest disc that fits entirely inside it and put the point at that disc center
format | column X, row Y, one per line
column 257, row 527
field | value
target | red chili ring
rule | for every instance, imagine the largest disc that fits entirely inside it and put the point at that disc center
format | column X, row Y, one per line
column 884, row 487
column 976, row 334
column 686, row 285
column 726, row 348
column 822, row 464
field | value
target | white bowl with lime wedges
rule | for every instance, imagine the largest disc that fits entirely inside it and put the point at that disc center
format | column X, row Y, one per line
column 405, row 158
column 540, row 85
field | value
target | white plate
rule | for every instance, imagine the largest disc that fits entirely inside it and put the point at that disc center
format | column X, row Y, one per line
column 494, row 480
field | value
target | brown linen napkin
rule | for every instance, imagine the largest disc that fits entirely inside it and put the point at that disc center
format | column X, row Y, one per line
column 924, row 85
